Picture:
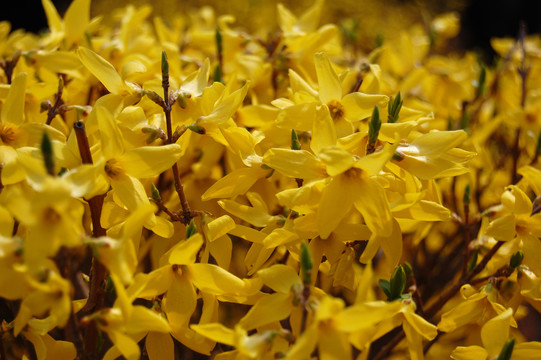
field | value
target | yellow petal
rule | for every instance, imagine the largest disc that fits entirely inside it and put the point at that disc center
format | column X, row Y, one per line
column 235, row 183
column 503, row 228
column 149, row 161
column 130, row 191
column 336, row 159
column 294, row 163
column 420, row 325
column 57, row 349
column 333, row 344
column 279, row 277
column 216, row 332
column 53, row 19
column 323, row 131
column 255, row 216
column 112, row 141
column 527, row 351
column 358, row 106
column 159, row 346
column 102, row 69
column 259, row 313
column 299, row 117
column 496, row 331
column 469, row 353
column 372, row 203
column 185, row 252
column 219, row 227
column 126, row 345
column 13, row 107
column 143, row 319
column 330, row 87
column 415, row 342
column 215, row 280
column 392, row 246
column 335, row 203
column 76, row 20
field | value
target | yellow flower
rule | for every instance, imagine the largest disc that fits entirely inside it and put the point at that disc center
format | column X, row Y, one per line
column 476, row 308
column 434, row 155
column 494, row 335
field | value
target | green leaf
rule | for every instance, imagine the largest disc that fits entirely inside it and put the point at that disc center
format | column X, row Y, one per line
column 516, row 259
column 386, row 287
column 473, row 260
column 155, row 192
column 398, row 282
column 374, row 126
column 295, row 143
column 467, row 195
column 481, row 82
column 191, row 230
column 165, row 65
column 306, row 264
column 507, row 350
column 47, row 152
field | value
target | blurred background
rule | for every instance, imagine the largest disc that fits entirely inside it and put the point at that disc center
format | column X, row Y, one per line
column 480, row 19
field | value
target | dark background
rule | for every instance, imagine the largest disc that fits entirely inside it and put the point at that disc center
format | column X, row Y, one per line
column 481, row 19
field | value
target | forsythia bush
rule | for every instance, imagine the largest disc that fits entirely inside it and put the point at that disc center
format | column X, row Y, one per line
column 184, row 189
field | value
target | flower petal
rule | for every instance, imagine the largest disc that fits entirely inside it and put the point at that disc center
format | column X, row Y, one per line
column 149, row 161
column 102, row 69
column 330, row 87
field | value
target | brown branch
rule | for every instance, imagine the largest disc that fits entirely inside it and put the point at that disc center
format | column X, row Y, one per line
column 432, row 310
column 57, row 108
column 9, row 65
column 98, row 272
column 187, row 214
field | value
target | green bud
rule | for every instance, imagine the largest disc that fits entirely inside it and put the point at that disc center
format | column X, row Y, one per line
column 217, row 74
column 507, row 350
column 407, row 269
column 538, row 147
column 386, row 287
column 181, row 101
column 191, row 230
column 219, row 41
column 393, row 108
column 374, row 126
column 481, row 81
column 47, row 151
column 295, row 143
column 165, row 65
column 152, row 95
column 473, row 260
column 398, row 282
column 467, row 195
column 397, row 156
column 465, row 122
column 196, row 129
column 45, row 106
column 155, row 192
column 516, row 259
column 306, row 264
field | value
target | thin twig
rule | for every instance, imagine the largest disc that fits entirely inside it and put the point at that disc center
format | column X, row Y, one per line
column 98, row 272
column 57, row 108
column 432, row 310
column 187, row 214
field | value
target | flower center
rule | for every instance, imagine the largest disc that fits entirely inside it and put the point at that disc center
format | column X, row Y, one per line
column 353, row 173
column 50, row 216
column 336, row 109
column 113, row 168
column 7, row 134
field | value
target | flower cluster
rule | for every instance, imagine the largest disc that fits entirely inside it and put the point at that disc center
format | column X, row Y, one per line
column 179, row 187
